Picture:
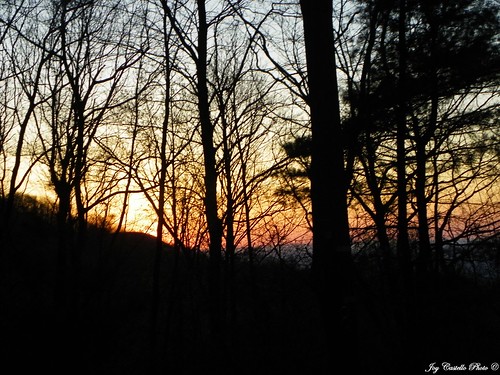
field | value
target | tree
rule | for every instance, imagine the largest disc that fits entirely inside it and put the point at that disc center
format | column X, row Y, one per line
column 79, row 92
column 197, row 51
column 24, row 42
column 332, row 259
column 416, row 91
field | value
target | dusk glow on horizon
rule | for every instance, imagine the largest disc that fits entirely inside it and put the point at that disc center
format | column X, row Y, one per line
column 244, row 187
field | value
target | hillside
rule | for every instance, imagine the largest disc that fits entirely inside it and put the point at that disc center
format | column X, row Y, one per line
column 272, row 324
column 108, row 332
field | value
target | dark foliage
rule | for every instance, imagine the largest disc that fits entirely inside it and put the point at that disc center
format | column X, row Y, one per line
column 273, row 326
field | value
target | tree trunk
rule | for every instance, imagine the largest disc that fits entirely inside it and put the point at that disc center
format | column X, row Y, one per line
column 408, row 317
column 155, row 301
column 229, row 222
column 62, row 217
column 332, row 259
column 427, row 133
column 403, row 243
column 213, row 221
column 424, row 254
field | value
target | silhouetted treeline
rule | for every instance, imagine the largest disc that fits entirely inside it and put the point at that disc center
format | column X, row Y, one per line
column 358, row 137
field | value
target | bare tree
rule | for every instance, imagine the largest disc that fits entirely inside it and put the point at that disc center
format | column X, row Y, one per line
column 25, row 48
column 79, row 92
column 332, row 259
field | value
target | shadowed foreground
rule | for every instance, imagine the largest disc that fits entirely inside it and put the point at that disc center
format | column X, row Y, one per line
column 272, row 325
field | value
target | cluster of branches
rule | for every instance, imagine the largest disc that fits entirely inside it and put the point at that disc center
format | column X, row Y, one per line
column 107, row 106
column 432, row 70
column 423, row 109
column 202, row 109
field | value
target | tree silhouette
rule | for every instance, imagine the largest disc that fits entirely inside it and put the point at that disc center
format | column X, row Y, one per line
column 332, row 262
column 317, row 183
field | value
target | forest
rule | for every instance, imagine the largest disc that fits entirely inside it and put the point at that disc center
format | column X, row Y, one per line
column 249, row 186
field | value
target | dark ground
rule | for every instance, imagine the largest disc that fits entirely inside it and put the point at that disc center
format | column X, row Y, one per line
column 273, row 328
